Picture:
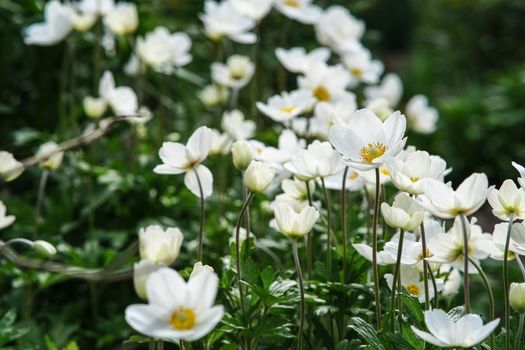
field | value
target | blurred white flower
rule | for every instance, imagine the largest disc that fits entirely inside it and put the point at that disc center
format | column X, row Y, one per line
column 237, row 128
column 295, row 193
column 297, row 60
column 354, row 182
column 179, row 158
column 258, row 176
column 508, row 201
column 96, row 7
column 287, row 105
column 517, row 297
column 496, row 246
column 383, row 258
column 301, row 10
column 55, row 28
column 242, row 154
column 362, row 68
column 142, row 270
column 453, row 281
column 410, row 278
column 51, row 155
column 94, row 107
column 294, row 224
column 446, row 332
column 318, row 160
column 122, row 99
column 521, row 170
column 44, row 248
column 288, row 146
column 199, row 267
column 213, row 95
column 10, row 168
column 339, row 30
column 221, row 19
column 326, row 114
column 405, row 213
column 243, row 234
column 5, row 220
column 235, row 74
column 365, row 142
column 82, row 21
column 220, row 142
column 391, row 89
column 164, row 51
column 421, row 117
column 327, row 83
column 381, row 107
column 123, row 19
column 254, row 9
column 159, row 245
column 177, row 310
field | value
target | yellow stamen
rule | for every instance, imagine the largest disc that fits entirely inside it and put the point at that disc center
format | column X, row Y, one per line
column 322, row 94
column 183, row 319
column 353, row 175
column 414, row 178
column 427, row 254
column 357, row 72
column 289, row 109
column 372, row 151
column 385, row 172
column 413, row 289
column 292, row 3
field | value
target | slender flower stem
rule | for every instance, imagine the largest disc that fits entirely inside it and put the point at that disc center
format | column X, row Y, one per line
column 40, row 197
column 301, row 289
column 202, row 216
column 520, row 332
column 396, row 276
column 309, row 247
column 489, row 294
column 374, row 252
column 506, row 283
column 520, row 264
column 344, row 223
column 247, row 218
column 238, row 248
column 160, row 345
column 466, row 287
column 434, row 284
column 425, row 266
column 328, row 230
column 151, row 344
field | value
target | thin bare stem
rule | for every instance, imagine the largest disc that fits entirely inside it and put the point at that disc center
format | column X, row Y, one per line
column 466, row 287
column 489, row 294
column 309, row 247
column 425, row 266
column 301, row 290
column 374, row 252
column 202, row 216
column 345, row 227
column 520, row 332
column 40, row 197
column 506, row 282
column 328, row 230
column 394, row 281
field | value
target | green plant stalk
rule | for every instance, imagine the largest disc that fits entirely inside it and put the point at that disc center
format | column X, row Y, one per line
column 374, row 253
column 506, row 282
column 520, row 332
column 466, row 287
column 40, row 198
column 202, row 216
column 520, row 264
column 301, row 290
column 434, row 284
column 425, row 267
column 328, row 231
column 344, row 224
column 309, row 237
column 394, row 281
column 489, row 294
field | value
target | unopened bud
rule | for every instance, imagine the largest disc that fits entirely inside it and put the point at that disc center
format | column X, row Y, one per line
column 242, row 155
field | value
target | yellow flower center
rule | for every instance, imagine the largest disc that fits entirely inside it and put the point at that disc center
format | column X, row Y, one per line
column 372, row 151
column 182, row 319
column 385, row 172
column 292, row 3
column 414, row 178
column 357, row 72
column 413, row 289
column 322, row 94
column 237, row 74
column 353, row 175
column 427, row 254
column 288, row 109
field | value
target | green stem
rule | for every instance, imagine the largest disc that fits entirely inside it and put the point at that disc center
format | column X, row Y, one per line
column 202, row 216
column 425, row 266
column 328, row 231
column 520, row 264
column 394, row 281
column 506, row 283
column 40, row 197
column 374, row 252
column 520, row 332
column 345, row 228
column 489, row 294
column 309, row 248
column 301, row 290
column 434, row 284
column 466, row 264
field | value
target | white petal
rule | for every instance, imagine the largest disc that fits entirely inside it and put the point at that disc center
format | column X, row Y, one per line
column 206, row 181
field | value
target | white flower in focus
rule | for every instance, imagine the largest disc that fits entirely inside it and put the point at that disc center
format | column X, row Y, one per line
column 496, row 245
column 55, row 28
column 362, row 68
column 51, row 154
column 123, row 19
column 421, row 117
column 5, row 220
column 122, row 99
column 287, row 105
column 177, row 310
column 411, row 280
column 405, row 213
column 94, row 107
column 213, row 95
column 236, row 127
column 221, row 20
column 10, row 168
column 339, row 30
column 365, row 142
column 179, row 158
column 235, row 74
column 327, row 83
column 258, row 176
column 158, row 245
column 508, row 201
column 383, row 258
column 254, row 9
column 297, row 60
column 294, row 224
column 199, row 267
column 521, row 170
column 142, row 270
column 443, row 202
column 391, row 89
column 301, row 10
column 446, row 332
column 163, row 50
column 318, row 160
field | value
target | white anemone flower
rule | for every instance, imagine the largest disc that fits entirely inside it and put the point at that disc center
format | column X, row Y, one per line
column 521, row 170
column 295, row 193
column 319, row 160
column 288, row 145
column 55, row 28
column 391, row 89
column 254, row 9
column 301, row 10
column 10, row 168
column 326, row 114
column 297, row 60
column 199, row 267
column 410, row 278
column 288, row 105
column 383, row 258
column 236, row 127
column 442, row 201
column 221, row 20
column 294, row 224
column 362, row 68
column 122, row 100
column 496, row 246
column 159, row 245
column 96, row 7
column 508, row 201
column 410, row 170
column 365, row 142
column 381, row 107
column 339, row 30
column 405, row 213
column 446, row 332
column 82, row 21
column 453, row 280
column 258, row 176
column 213, row 95
column 220, row 142
column 164, row 51
column 123, row 19
column 327, row 83
column 448, row 247
column 177, row 310
column 354, row 182
column 142, row 270
column 51, row 154
column 179, row 158
column 5, row 220
column 94, row 107
column 235, row 74
column 422, row 118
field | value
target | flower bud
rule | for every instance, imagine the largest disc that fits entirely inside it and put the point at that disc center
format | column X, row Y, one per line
column 258, row 176
column 52, row 155
column 294, row 224
column 517, row 296
column 158, row 245
column 94, row 107
column 44, row 248
column 242, row 155
column 141, row 272
column 10, row 168
column 123, row 19
column 199, row 267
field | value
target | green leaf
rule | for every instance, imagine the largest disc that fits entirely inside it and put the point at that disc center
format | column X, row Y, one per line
column 411, row 337
column 71, row 346
column 137, row 339
column 401, row 344
column 415, row 313
column 367, row 332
